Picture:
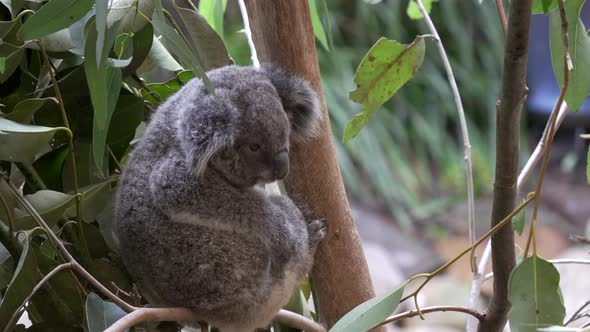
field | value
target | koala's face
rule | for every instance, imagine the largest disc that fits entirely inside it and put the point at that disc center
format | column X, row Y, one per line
column 260, row 153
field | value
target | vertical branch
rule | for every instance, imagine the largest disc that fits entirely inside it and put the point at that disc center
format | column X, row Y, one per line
column 462, row 123
column 513, row 94
column 283, row 35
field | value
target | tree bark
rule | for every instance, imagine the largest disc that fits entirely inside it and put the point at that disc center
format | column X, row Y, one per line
column 283, row 35
column 508, row 112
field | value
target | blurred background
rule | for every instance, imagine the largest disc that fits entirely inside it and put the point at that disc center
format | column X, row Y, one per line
column 405, row 172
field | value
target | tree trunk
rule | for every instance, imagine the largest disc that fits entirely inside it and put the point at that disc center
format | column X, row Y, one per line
column 507, row 149
column 283, row 35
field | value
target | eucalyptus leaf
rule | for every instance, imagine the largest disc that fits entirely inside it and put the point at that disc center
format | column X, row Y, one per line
column 104, row 83
column 385, row 68
column 22, row 143
column 7, row 266
column 316, row 23
column 14, row 6
column 173, row 41
column 51, row 205
column 213, row 11
column 101, row 314
column 534, row 293
column 54, row 16
column 544, row 6
column 24, row 279
column 158, row 56
column 11, row 48
column 370, row 313
column 142, row 44
column 204, row 40
column 23, row 112
column 579, row 50
column 413, row 10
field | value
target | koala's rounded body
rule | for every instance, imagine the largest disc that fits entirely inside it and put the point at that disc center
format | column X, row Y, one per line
column 194, row 227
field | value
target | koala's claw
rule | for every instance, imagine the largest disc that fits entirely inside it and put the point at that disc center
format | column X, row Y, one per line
column 317, row 229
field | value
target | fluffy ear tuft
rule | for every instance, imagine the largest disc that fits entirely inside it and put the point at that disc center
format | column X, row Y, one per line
column 299, row 100
column 204, row 130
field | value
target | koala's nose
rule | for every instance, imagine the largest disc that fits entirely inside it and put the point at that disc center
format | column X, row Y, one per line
column 280, row 165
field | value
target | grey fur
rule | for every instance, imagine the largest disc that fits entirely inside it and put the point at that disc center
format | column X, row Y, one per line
column 195, row 229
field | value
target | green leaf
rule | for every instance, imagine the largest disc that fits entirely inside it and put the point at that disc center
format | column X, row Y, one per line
column 50, row 204
column 101, row 314
column 2, row 64
column 19, row 142
column 14, row 6
column 177, row 45
column 7, row 267
column 63, row 297
column 579, row 49
column 160, row 57
column 54, row 16
column 50, row 166
column 105, row 83
column 518, row 222
column 24, row 279
column 142, row 44
column 534, row 293
column 213, row 11
column 385, row 68
column 368, row 314
column 11, row 48
column 544, row 6
column 204, row 40
column 413, row 10
column 23, row 112
column 318, row 29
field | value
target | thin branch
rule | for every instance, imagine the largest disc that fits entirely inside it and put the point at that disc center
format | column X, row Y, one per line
column 62, row 249
column 85, row 251
column 141, row 315
column 549, row 139
column 414, row 313
column 476, row 285
column 552, row 261
column 462, row 122
column 248, row 32
column 502, row 15
column 45, row 279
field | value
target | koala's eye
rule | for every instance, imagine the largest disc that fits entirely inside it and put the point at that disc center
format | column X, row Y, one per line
column 254, row 147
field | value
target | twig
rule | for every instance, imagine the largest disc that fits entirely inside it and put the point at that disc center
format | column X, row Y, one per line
column 502, row 15
column 9, row 217
column 552, row 261
column 248, row 32
column 183, row 314
column 85, row 251
column 476, row 285
column 62, row 249
column 462, row 122
column 45, row 279
column 492, row 231
column 575, row 315
column 549, row 139
column 414, row 313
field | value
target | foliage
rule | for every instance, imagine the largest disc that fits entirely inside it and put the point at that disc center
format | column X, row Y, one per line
column 535, row 296
column 78, row 82
column 408, row 160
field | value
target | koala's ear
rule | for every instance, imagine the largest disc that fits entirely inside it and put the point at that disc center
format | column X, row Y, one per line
column 299, row 100
column 206, row 129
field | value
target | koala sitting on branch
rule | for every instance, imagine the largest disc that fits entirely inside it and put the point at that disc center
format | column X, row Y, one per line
column 195, row 228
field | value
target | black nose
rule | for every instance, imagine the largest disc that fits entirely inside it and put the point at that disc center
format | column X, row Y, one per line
column 280, row 165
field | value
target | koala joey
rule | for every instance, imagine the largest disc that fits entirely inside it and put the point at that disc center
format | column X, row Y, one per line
column 195, row 228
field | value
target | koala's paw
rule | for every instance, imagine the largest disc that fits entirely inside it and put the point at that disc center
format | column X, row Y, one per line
column 317, row 230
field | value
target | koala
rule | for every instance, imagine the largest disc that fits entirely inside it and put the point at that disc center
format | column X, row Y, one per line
column 195, row 227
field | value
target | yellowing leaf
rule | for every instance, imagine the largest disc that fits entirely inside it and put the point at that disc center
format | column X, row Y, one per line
column 385, row 68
